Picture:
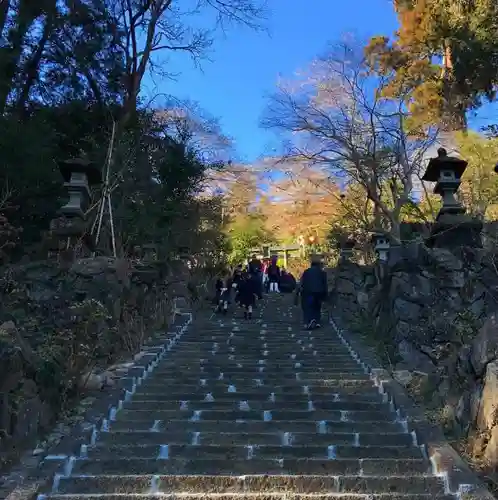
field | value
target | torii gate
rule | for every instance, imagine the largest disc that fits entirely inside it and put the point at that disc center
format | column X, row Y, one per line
column 267, row 251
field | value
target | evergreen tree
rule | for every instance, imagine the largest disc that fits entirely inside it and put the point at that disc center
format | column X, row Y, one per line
column 443, row 59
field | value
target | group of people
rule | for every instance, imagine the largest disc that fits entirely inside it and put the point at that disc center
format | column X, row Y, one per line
column 246, row 285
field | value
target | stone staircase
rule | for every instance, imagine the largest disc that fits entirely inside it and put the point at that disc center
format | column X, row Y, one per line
column 246, row 409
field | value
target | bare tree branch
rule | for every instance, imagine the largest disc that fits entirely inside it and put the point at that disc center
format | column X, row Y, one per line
column 338, row 121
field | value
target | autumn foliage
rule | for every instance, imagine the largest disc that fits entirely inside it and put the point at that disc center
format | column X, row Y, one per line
column 442, row 60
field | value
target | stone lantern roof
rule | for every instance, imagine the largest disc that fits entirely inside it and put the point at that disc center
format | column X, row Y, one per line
column 377, row 234
column 444, row 162
column 83, row 166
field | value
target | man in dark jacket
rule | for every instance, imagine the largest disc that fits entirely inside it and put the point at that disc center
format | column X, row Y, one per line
column 255, row 271
column 313, row 290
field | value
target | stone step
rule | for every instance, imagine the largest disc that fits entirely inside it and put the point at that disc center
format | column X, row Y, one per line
column 239, row 363
column 254, row 335
column 220, row 387
column 256, row 326
column 261, row 396
column 250, row 496
column 235, row 404
column 254, row 338
column 336, row 379
column 241, row 374
column 253, row 332
column 123, row 438
column 259, row 484
column 255, row 415
column 237, row 367
column 291, row 386
column 256, row 346
column 263, row 382
column 235, row 360
column 285, row 326
column 264, row 451
column 305, row 349
column 146, row 423
column 270, row 466
column 279, row 375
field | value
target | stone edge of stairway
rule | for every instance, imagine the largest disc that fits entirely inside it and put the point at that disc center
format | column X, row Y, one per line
column 36, row 472
column 446, row 463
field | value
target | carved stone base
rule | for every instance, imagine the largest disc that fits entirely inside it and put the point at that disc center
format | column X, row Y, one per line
column 67, row 227
column 453, row 231
column 68, row 239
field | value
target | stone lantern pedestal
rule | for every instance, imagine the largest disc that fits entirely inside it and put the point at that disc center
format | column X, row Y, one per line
column 453, row 227
column 70, row 230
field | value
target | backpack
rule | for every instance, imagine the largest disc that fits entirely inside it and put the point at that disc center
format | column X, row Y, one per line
column 273, row 270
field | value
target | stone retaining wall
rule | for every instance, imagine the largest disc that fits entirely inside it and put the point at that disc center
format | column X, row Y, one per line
column 432, row 318
column 61, row 328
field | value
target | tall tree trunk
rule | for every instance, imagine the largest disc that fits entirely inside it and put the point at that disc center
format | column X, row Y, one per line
column 149, row 14
column 454, row 112
column 4, row 11
column 31, row 69
column 10, row 55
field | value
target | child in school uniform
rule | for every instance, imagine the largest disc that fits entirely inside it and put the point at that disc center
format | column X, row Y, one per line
column 218, row 286
column 225, row 295
column 247, row 294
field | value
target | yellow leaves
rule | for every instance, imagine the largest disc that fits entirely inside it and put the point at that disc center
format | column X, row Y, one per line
column 419, row 69
column 307, row 200
column 479, row 189
column 416, row 84
column 462, row 35
column 427, row 102
column 378, row 54
column 421, row 27
column 383, row 56
column 406, row 61
column 414, row 77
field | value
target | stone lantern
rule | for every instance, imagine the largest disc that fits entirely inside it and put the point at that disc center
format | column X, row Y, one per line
column 381, row 245
column 149, row 252
column 79, row 176
column 453, row 227
column 346, row 248
column 446, row 172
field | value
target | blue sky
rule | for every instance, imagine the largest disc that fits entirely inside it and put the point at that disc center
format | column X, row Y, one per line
column 245, row 65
